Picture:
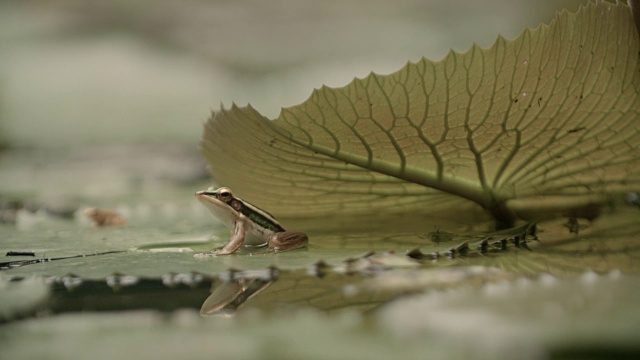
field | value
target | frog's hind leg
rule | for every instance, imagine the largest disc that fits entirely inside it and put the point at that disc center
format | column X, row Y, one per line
column 287, row 240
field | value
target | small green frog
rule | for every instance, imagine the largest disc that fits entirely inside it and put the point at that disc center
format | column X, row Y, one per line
column 249, row 225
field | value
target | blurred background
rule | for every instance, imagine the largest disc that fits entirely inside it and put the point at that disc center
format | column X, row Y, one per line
column 82, row 72
column 108, row 98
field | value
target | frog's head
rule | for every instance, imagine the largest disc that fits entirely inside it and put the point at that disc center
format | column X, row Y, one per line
column 221, row 204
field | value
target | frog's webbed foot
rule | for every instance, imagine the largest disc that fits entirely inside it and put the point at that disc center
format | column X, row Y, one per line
column 211, row 253
column 230, row 248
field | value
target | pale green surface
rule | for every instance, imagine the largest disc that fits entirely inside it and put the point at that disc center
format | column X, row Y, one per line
column 609, row 243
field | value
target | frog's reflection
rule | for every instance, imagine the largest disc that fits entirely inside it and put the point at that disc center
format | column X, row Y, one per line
column 235, row 288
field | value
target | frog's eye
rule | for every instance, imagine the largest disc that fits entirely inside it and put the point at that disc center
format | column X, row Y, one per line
column 225, row 195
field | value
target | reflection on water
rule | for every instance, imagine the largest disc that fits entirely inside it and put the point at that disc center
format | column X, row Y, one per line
column 321, row 286
column 224, row 294
column 235, row 289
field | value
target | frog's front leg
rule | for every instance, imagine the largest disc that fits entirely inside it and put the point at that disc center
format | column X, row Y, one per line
column 235, row 240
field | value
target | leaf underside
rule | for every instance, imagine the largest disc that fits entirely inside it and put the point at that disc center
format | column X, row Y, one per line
column 553, row 113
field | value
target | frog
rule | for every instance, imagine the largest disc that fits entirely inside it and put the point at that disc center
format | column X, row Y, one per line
column 250, row 226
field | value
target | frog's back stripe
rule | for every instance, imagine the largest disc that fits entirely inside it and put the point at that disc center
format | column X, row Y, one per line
column 260, row 217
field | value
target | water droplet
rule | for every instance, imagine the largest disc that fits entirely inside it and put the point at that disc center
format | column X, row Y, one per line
column 589, row 277
column 350, row 290
column 117, row 281
column 547, row 280
column 71, row 282
column 615, row 274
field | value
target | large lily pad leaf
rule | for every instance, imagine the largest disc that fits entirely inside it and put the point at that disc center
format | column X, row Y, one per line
column 551, row 114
